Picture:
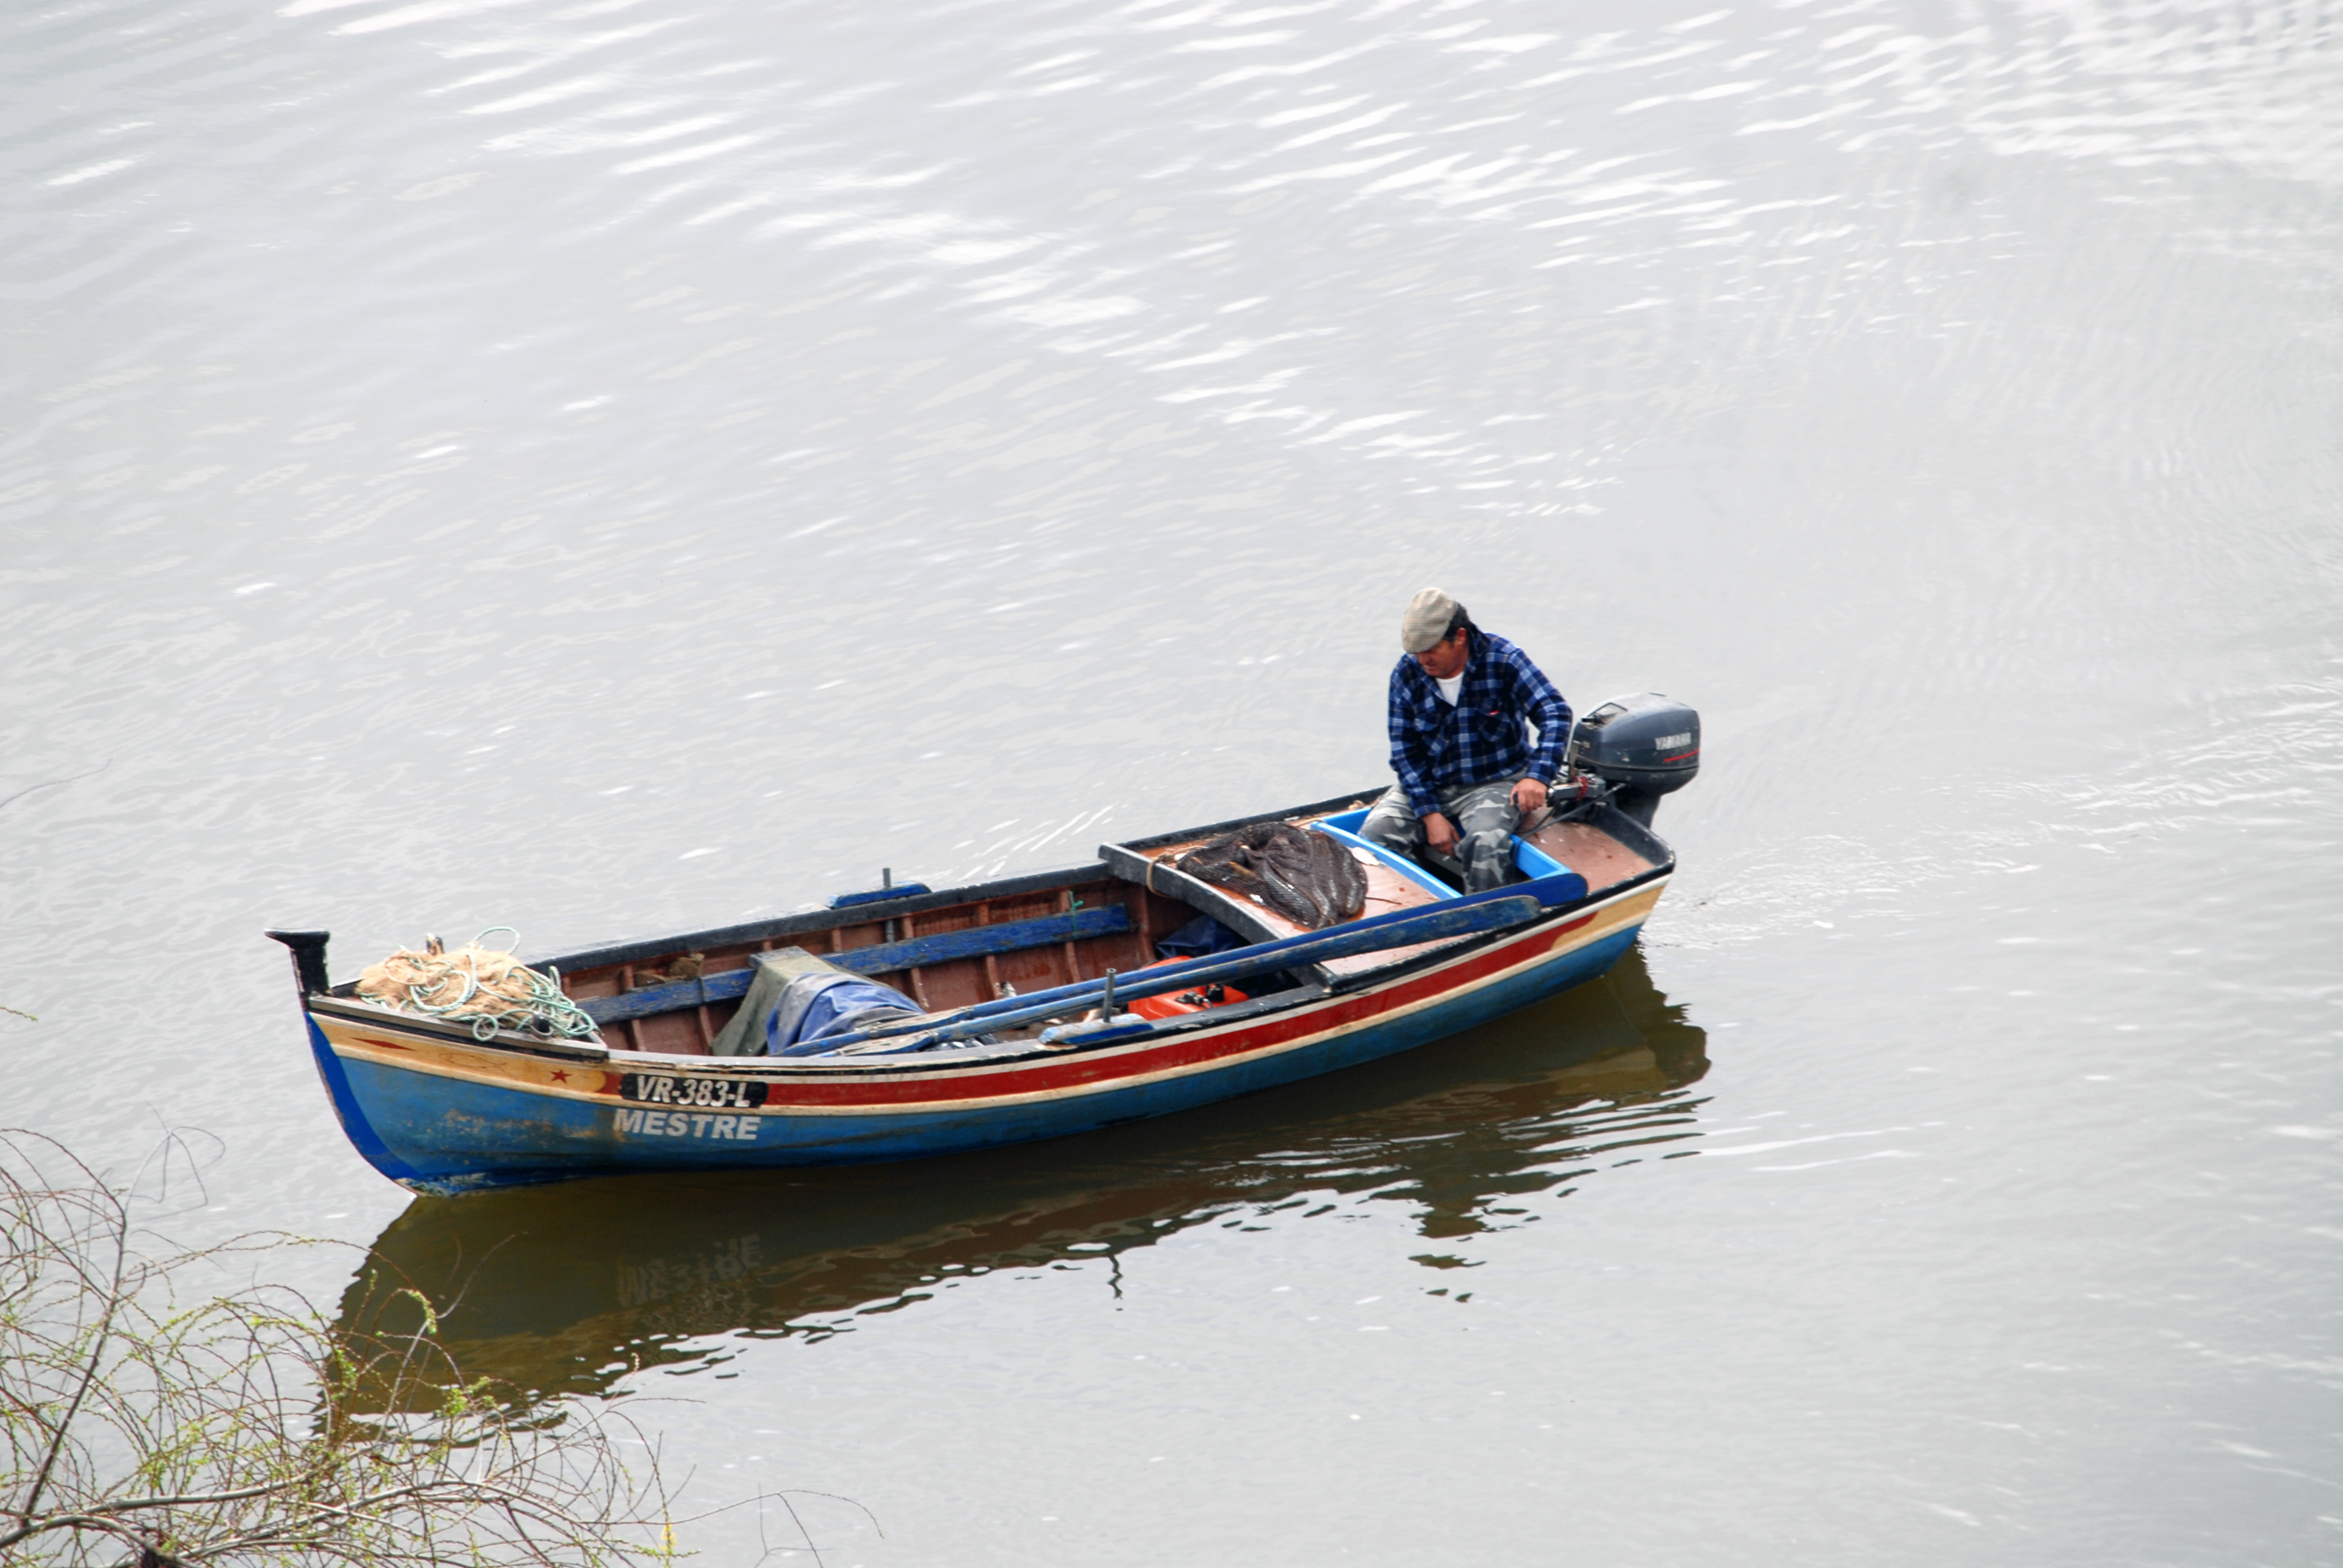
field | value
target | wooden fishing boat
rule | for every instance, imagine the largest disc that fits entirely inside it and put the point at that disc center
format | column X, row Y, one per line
column 1023, row 1034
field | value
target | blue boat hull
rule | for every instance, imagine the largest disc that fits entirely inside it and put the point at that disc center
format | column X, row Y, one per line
column 439, row 1127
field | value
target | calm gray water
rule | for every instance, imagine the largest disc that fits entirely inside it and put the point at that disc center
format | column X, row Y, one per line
column 621, row 467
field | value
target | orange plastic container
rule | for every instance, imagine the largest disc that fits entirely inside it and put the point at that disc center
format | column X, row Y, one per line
column 1187, row 1001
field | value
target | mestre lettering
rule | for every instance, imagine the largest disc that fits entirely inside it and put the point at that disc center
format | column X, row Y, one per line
column 687, row 1124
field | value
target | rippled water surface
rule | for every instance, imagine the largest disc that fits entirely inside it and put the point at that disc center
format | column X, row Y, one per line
column 619, row 466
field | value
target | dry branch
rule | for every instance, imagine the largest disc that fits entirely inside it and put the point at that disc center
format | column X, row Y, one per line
column 145, row 1419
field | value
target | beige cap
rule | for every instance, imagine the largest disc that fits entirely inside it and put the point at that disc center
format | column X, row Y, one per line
column 1426, row 620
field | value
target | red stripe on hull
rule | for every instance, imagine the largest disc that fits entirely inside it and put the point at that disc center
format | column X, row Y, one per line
column 1083, row 1070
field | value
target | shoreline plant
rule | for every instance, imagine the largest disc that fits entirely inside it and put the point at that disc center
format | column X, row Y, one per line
column 152, row 1412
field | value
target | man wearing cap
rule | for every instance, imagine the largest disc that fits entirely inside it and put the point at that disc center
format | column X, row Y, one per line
column 1467, row 775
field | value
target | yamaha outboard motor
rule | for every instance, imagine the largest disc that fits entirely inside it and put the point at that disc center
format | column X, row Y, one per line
column 1643, row 747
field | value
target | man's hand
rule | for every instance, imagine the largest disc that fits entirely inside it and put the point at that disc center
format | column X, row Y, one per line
column 1529, row 795
column 1440, row 833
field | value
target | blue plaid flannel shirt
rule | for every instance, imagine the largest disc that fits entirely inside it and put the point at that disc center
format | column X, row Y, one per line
column 1436, row 748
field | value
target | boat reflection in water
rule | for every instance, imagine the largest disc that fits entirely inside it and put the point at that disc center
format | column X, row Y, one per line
column 567, row 1288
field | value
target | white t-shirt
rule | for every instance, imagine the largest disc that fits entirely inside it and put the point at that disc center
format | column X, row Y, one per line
column 1450, row 688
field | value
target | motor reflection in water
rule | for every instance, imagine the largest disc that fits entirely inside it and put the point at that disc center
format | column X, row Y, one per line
column 568, row 1289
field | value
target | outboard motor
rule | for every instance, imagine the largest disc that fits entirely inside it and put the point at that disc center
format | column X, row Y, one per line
column 1643, row 747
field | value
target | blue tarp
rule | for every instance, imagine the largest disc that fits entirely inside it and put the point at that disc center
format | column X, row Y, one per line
column 797, row 1003
column 839, row 1007
column 1200, row 936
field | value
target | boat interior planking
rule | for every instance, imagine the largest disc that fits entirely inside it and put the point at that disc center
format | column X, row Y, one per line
column 947, row 951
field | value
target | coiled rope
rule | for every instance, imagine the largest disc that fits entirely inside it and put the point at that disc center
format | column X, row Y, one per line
column 487, row 987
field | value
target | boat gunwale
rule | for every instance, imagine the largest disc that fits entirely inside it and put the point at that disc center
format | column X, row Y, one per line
column 933, row 1064
column 1345, row 801
column 1139, row 1074
column 1240, row 1015
column 803, row 920
column 341, row 1002
column 1146, row 1065
column 357, row 1009
column 826, row 918
column 1593, row 899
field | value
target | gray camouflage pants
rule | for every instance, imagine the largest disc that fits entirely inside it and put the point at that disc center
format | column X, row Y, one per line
column 1485, row 820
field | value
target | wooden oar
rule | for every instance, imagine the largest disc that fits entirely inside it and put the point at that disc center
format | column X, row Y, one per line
column 1401, row 927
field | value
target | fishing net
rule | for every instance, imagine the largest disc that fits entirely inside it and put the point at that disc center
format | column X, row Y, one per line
column 486, row 988
column 1308, row 878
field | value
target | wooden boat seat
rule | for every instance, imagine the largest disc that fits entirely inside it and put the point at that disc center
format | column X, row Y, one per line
column 1593, row 854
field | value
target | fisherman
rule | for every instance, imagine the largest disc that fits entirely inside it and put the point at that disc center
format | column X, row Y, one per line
column 1467, row 776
